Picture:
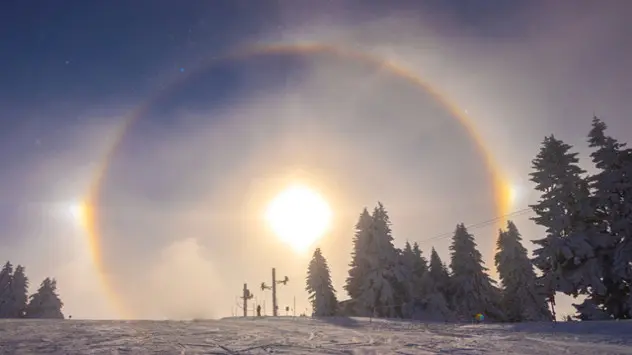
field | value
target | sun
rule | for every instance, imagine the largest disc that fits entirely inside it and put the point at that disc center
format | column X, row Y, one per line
column 299, row 216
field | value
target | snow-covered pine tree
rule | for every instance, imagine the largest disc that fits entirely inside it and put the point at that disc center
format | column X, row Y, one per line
column 419, row 269
column 612, row 193
column 472, row 288
column 6, row 279
column 321, row 292
column 566, row 255
column 411, row 261
column 19, row 293
column 375, row 273
column 522, row 298
column 430, row 302
column 421, row 264
column 359, row 266
column 438, row 273
column 385, row 276
column 45, row 303
column 410, row 283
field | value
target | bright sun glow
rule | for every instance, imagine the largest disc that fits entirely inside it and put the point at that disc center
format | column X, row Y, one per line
column 517, row 194
column 299, row 216
column 77, row 212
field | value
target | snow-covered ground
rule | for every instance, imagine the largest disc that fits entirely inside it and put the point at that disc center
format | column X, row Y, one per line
column 309, row 336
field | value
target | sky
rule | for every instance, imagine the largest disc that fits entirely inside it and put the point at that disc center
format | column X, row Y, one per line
column 213, row 136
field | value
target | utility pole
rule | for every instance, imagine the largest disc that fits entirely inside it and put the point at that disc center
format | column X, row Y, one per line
column 246, row 296
column 275, row 307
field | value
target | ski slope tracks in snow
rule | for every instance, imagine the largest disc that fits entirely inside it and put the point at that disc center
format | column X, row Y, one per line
column 286, row 335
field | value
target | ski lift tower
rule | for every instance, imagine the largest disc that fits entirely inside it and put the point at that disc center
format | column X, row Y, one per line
column 275, row 307
column 246, row 296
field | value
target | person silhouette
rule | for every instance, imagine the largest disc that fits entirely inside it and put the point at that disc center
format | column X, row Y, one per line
column 258, row 310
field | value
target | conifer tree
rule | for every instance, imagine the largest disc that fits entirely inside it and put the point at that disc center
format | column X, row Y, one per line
column 45, row 303
column 319, row 286
column 612, row 189
column 421, row 264
column 566, row 255
column 438, row 273
column 19, row 291
column 421, row 302
column 359, row 266
column 385, row 276
column 522, row 298
column 419, row 270
column 409, row 285
column 6, row 280
column 375, row 274
column 432, row 304
column 473, row 290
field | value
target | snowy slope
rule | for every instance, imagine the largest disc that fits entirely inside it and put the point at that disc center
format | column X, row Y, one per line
column 308, row 336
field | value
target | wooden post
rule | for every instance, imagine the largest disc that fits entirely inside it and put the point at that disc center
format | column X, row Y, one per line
column 245, row 297
column 275, row 312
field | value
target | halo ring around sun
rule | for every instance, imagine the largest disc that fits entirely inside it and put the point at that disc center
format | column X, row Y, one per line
column 91, row 213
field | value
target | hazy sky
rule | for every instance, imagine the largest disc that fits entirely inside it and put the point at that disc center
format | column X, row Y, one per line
column 182, row 196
